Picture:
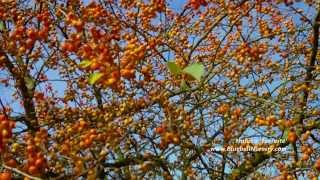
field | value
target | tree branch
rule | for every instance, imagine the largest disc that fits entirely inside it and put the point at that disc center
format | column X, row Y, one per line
column 26, row 93
column 20, row 172
column 244, row 170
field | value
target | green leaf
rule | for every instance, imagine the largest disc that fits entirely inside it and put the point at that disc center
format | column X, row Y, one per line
column 299, row 131
column 95, row 77
column 184, row 86
column 85, row 63
column 30, row 82
column 285, row 134
column 273, row 133
column 120, row 154
column 173, row 68
column 20, row 61
column 2, row 26
column 195, row 70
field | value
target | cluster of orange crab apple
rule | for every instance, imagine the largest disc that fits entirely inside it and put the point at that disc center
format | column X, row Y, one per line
column 196, row 4
column 101, row 55
column 271, row 120
column 225, row 108
column 259, row 120
column 283, row 124
column 100, row 52
column 36, row 162
column 6, row 127
column 147, row 11
column 235, row 114
column 253, row 51
column 167, row 136
column 23, row 39
column 87, row 138
column 90, row 13
column 284, row 169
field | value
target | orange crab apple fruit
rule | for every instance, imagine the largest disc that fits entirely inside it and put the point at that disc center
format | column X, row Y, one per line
column 5, row 176
column 292, row 136
column 317, row 164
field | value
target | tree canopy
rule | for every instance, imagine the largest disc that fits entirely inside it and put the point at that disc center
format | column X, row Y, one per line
column 159, row 89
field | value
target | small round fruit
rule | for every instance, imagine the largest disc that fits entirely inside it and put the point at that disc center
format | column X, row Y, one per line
column 2, row 117
column 305, row 157
column 292, row 137
column 5, row 176
column 32, row 170
column 176, row 140
column 317, row 165
column 159, row 130
column 39, row 162
column 12, row 163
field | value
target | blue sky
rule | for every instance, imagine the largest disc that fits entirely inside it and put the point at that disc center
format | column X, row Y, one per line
column 6, row 93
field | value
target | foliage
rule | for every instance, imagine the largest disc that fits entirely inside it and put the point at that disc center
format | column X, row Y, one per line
column 131, row 89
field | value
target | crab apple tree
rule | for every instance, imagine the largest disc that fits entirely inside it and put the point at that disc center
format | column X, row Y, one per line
column 133, row 89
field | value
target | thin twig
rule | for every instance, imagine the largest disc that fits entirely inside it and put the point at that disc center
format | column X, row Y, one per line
column 3, row 108
column 20, row 172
